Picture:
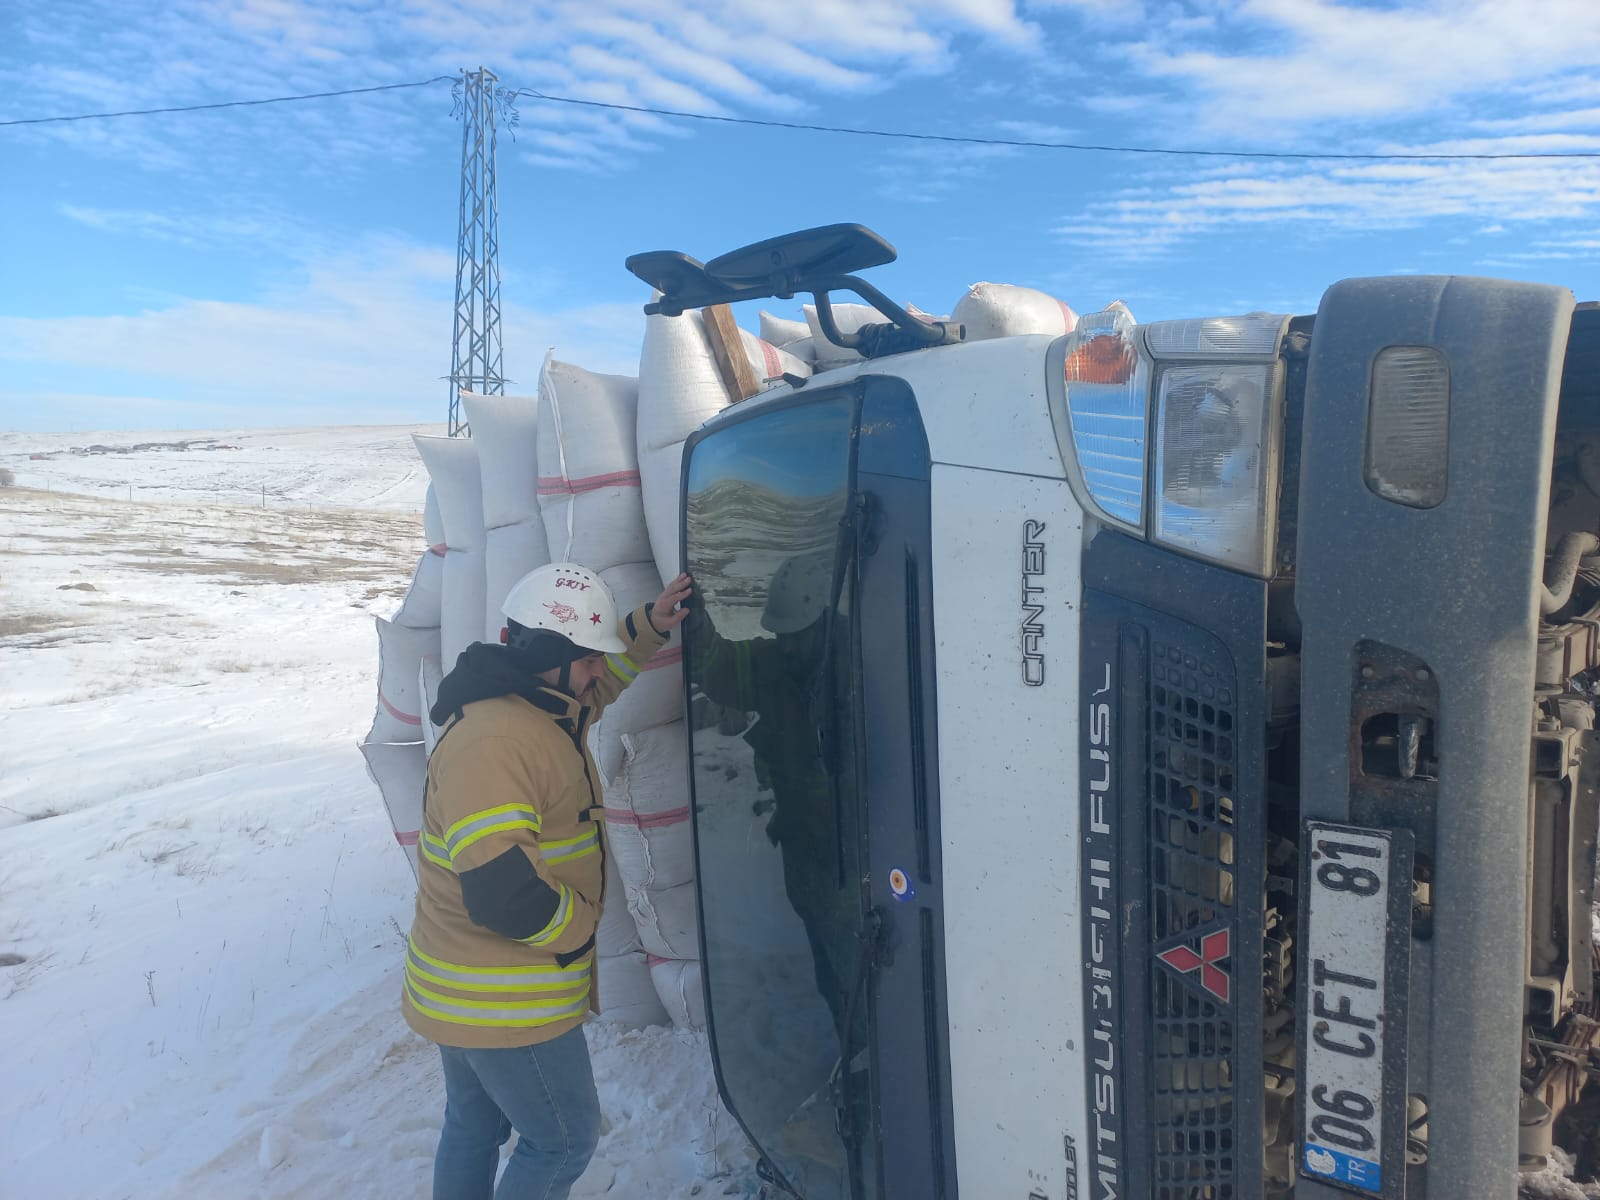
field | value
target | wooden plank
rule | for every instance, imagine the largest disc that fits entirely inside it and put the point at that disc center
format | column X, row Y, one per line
column 727, row 347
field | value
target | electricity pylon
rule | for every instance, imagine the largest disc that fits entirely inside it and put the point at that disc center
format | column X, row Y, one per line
column 475, row 348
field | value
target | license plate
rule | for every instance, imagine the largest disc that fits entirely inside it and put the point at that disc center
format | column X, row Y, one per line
column 1355, row 961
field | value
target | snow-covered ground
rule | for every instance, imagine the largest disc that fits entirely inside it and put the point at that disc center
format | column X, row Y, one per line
column 202, row 906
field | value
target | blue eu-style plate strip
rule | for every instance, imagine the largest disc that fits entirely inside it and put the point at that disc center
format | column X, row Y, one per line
column 1344, row 1168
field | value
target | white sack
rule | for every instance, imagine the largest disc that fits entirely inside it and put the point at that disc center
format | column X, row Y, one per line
column 512, row 551
column 423, row 599
column 432, row 522
column 400, row 653
column 647, row 810
column 401, row 773
column 506, row 431
column 656, row 696
column 991, row 310
column 680, row 388
column 616, row 933
column 678, row 984
column 666, row 921
column 461, row 615
column 628, row 992
column 589, row 467
column 849, row 318
column 453, row 466
column 781, row 332
column 428, row 688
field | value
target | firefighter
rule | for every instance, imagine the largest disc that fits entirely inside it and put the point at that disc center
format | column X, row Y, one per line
column 500, row 967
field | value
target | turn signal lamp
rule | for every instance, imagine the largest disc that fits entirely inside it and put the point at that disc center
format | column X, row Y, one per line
column 1102, row 427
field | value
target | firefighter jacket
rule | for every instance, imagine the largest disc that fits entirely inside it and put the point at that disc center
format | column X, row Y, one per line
column 511, row 862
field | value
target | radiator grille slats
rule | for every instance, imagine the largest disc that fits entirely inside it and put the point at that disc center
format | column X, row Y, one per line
column 1190, row 780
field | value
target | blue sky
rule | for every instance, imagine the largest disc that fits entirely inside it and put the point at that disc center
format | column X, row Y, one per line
column 294, row 264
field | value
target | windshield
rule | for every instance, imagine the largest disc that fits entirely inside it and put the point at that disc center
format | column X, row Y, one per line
column 777, row 825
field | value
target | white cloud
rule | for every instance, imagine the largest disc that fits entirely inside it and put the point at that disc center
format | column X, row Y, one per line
column 351, row 336
column 1322, row 198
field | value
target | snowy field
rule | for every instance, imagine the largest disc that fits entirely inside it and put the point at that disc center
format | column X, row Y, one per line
column 202, row 906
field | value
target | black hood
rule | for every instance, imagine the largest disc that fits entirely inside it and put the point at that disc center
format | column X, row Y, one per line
column 484, row 671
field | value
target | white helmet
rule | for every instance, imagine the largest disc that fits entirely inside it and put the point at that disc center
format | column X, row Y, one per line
column 570, row 600
column 799, row 594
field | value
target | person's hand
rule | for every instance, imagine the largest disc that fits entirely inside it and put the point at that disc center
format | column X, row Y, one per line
column 667, row 611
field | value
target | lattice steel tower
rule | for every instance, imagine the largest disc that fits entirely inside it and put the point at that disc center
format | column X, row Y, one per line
column 475, row 349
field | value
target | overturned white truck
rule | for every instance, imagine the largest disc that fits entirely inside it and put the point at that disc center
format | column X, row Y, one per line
column 1155, row 761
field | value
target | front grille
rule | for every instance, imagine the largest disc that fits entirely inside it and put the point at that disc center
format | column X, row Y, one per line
column 1190, row 786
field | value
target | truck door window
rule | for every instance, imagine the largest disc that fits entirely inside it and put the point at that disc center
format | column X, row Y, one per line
column 778, row 827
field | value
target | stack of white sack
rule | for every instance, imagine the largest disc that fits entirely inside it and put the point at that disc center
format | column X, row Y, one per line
column 588, row 491
column 393, row 748
column 647, row 799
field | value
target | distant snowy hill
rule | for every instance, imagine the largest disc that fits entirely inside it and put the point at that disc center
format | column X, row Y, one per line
column 374, row 467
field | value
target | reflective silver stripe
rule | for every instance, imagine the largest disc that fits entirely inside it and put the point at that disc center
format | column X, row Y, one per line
column 495, row 820
column 435, row 851
column 558, row 923
column 570, row 848
column 536, row 978
column 622, row 667
column 467, row 1012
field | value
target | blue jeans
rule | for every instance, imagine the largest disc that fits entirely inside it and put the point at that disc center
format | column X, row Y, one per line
column 545, row 1092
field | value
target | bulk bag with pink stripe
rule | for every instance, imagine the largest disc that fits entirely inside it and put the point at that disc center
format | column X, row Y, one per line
column 992, row 310
column 505, row 429
column 589, row 467
column 647, row 810
column 452, row 464
column 400, row 654
column 401, row 772
column 679, row 390
column 511, row 552
column 627, row 989
column 655, row 695
column 422, row 607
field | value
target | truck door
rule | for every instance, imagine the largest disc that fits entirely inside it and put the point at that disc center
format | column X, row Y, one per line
column 815, row 827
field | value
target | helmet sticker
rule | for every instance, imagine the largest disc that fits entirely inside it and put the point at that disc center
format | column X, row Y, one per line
column 564, row 613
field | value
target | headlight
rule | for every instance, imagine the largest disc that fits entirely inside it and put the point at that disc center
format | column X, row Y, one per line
column 1217, row 433
column 1216, row 459
column 1102, row 430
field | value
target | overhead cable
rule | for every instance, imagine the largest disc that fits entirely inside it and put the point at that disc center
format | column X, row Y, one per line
column 845, row 130
column 185, row 108
column 1039, row 145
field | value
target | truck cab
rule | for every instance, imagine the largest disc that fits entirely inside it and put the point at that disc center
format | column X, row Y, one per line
column 1154, row 761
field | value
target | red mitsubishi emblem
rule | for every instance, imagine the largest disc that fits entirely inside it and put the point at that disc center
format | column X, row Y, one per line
column 1214, row 947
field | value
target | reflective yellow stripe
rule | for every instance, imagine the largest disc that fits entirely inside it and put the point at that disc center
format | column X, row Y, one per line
column 531, row 1013
column 622, row 667
column 558, row 923
column 541, row 977
column 570, row 848
column 480, row 825
column 435, row 851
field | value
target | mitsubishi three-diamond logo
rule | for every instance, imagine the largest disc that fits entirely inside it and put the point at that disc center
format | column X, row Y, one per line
column 1214, row 948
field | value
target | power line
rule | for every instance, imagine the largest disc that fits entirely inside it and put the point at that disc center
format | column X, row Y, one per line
column 850, row 131
column 184, row 108
column 1033, row 145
